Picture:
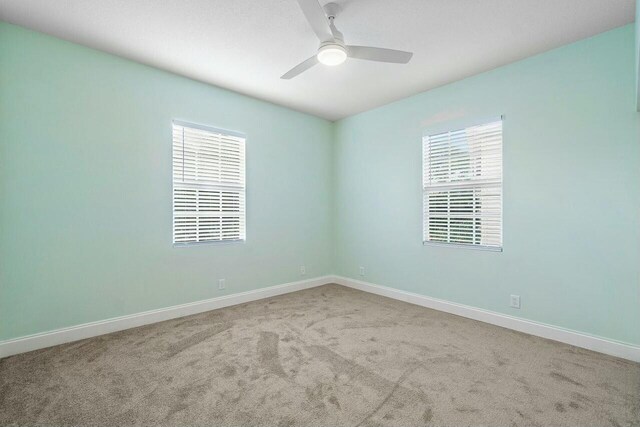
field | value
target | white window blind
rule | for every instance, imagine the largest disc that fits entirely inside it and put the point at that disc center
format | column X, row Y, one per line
column 208, row 185
column 462, row 186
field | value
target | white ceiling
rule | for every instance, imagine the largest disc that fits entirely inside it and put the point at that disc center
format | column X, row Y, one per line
column 246, row 45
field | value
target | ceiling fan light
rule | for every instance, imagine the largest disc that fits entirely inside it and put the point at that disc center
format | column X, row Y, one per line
column 332, row 55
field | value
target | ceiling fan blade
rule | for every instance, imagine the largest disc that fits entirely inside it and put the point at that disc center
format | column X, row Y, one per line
column 317, row 19
column 300, row 68
column 379, row 54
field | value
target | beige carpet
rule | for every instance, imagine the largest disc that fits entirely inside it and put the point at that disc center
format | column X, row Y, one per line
column 328, row 356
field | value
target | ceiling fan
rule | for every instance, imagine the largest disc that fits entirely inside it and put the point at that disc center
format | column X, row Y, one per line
column 332, row 50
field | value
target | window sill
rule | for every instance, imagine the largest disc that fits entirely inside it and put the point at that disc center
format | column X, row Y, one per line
column 211, row 242
column 463, row 246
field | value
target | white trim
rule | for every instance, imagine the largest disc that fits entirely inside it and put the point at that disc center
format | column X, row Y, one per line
column 463, row 246
column 460, row 123
column 208, row 128
column 92, row 329
column 567, row 336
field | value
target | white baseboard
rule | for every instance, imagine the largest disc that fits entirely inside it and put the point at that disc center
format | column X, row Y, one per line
column 92, row 329
column 567, row 336
column 88, row 330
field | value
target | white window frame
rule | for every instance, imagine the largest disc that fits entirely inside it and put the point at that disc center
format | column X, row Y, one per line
column 219, row 186
column 460, row 185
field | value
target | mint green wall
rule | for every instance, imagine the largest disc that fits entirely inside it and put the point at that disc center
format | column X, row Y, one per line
column 571, row 191
column 85, row 188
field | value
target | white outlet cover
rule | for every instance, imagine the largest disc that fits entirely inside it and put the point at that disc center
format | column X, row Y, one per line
column 221, row 284
column 515, row 301
column 303, row 270
column 362, row 271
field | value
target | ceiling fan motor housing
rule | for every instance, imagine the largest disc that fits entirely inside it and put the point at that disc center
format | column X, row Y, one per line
column 332, row 53
column 332, row 10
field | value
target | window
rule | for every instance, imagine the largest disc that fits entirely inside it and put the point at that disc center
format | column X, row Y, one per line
column 462, row 186
column 208, row 185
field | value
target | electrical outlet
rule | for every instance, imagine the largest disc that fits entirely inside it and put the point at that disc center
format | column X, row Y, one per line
column 362, row 271
column 303, row 270
column 515, row 301
column 221, row 284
